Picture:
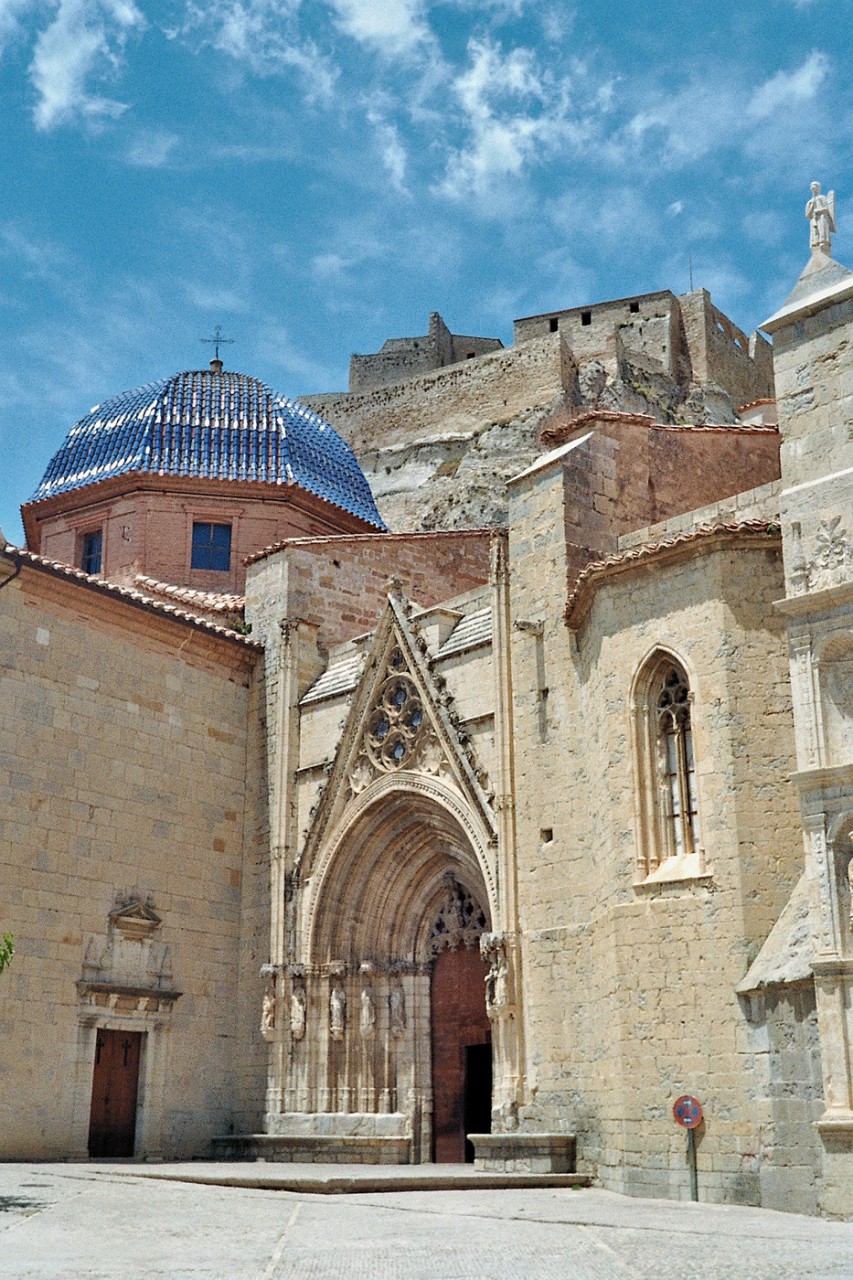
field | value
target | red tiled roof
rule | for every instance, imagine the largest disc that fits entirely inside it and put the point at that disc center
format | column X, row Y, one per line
column 556, row 435
column 101, row 585
column 210, row 601
column 337, row 538
column 623, row 560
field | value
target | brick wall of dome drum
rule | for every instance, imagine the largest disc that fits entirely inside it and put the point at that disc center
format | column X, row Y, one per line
column 220, row 426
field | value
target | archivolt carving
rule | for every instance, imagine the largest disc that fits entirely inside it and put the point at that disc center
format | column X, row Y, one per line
column 414, row 788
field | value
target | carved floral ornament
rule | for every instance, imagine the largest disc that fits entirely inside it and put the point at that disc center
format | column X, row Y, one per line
column 831, row 557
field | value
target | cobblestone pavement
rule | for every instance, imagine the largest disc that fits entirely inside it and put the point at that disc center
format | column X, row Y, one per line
column 70, row 1221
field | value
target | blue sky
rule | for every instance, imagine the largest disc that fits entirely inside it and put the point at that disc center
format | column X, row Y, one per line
column 318, row 175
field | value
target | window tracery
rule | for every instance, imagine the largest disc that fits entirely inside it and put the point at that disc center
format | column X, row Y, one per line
column 396, row 723
column 669, row 840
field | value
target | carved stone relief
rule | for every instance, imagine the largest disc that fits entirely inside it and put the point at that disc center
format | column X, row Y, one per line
column 367, row 1016
column 298, row 1003
column 460, row 922
column 832, row 557
column 397, row 1008
column 337, row 1008
column 493, row 951
column 268, row 1011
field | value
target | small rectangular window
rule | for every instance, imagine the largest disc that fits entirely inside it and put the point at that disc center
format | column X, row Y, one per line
column 586, row 317
column 91, row 551
column 211, row 546
column 554, row 323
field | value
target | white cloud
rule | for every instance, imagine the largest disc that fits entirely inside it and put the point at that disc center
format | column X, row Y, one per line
column 675, row 208
column 392, row 150
column 85, row 39
column 514, row 114
column 151, row 149
column 786, row 89
column 264, row 36
column 11, row 12
column 391, row 26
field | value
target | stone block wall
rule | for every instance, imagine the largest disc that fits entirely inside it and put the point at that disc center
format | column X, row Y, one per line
column 125, row 740
column 339, row 585
column 401, row 358
column 719, row 352
column 630, row 989
column 647, row 325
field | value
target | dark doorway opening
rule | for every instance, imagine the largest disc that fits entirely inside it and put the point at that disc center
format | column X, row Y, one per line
column 115, row 1088
column 461, row 1054
column 478, row 1094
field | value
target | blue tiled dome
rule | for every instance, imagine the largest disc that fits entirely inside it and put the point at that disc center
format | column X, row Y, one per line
column 217, row 426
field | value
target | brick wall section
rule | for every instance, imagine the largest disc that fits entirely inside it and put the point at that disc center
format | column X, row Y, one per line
column 627, row 474
column 340, row 584
column 150, row 532
column 123, row 770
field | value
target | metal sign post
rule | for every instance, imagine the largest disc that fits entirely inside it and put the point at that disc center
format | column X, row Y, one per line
column 687, row 1112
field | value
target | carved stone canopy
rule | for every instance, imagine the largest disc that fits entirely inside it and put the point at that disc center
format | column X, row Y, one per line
column 135, row 920
column 460, row 921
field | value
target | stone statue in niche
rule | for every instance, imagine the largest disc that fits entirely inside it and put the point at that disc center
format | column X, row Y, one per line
column 298, row 1008
column 368, row 1012
column 268, row 1012
column 337, row 1011
column 397, row 1010
column 493, row 951
column 820, row 212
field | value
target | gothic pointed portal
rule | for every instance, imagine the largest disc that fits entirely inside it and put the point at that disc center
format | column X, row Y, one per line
column 398, row 870
column 401, row 730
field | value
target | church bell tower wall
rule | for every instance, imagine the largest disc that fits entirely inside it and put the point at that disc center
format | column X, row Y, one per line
column 813, row 351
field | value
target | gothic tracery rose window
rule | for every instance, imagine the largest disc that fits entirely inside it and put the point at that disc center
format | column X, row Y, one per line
column 395, row 725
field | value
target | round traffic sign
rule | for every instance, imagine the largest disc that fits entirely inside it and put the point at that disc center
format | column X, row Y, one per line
column 687, row 1111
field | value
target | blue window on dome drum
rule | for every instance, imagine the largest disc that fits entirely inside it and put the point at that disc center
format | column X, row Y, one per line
column 211, row 546
column 91, row 551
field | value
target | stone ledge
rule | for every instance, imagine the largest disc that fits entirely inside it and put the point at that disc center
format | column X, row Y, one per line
column 524, row 1152
column 314, row 1148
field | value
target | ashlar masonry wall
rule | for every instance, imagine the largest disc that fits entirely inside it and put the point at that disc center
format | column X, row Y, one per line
column 130, row 760
column 630, row 988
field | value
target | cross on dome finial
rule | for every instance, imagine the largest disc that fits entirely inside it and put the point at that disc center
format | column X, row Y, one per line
column 217, row 341
column 820, row 212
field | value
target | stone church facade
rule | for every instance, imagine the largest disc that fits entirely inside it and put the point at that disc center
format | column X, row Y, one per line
column 436, row 845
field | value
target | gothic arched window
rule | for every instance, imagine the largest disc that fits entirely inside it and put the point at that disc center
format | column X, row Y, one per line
column 669, row 844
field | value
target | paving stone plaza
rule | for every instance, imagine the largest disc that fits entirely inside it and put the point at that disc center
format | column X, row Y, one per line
column 129, row 1222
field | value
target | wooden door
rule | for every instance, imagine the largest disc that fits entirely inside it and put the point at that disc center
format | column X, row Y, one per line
column 461, row 1081
column 115, row 1085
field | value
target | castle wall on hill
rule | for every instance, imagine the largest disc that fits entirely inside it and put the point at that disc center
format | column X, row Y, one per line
column 456, row 399
column 648, row 325
column 438, row 447
column 407, row 357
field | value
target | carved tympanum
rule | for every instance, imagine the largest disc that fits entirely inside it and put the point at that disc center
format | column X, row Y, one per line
column 460, row 921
